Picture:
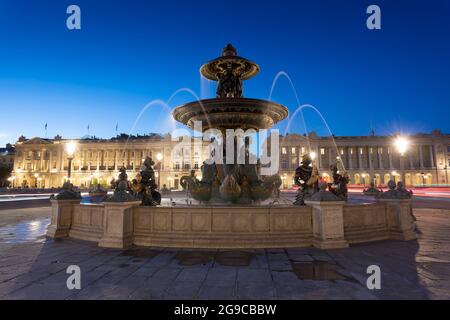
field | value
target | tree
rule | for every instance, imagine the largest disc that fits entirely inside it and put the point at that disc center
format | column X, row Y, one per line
column 5, row 173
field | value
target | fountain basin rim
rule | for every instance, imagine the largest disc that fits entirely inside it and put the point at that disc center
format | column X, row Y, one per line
column 231, row 113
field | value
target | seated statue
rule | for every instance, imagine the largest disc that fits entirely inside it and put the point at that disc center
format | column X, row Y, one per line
column 150, row 197
column 189, row 182
column 339, row 186
column 372, row 190
column 402, row 191
column 307, row 178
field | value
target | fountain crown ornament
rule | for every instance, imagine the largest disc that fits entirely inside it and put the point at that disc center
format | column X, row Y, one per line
column 229, row 63
column 229, row 50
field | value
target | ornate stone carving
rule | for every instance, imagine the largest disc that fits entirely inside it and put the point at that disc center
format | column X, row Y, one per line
column 67, row 193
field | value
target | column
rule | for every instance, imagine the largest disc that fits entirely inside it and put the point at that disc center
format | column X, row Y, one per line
column 411, row 166
column 360, row 166
column 350, row 162
column 421, row 157
column 330, row 156
column 390, row 157
column 380, row 157
column 50, row 161
column 318, row 157
column 61, row 159
column 431, row 156
column 116, row 154
column 41, row 164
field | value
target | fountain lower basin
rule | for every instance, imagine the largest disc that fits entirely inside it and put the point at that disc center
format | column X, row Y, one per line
column 326, row 225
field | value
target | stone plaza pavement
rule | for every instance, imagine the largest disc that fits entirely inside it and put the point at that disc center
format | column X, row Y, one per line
column 409, row 270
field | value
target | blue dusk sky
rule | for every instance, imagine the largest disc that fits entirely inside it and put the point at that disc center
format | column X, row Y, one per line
column 129, row 53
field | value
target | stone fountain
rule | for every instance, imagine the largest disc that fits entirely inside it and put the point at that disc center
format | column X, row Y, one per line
column 228, row 217
column 224, row 182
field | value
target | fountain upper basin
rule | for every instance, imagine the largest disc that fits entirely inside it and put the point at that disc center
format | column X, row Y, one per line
column 231, row 113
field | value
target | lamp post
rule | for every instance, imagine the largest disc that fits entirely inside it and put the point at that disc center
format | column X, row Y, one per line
column 70, row 149
column 11, row 180
column 159, row 157
column 36, row 175
column 313, row 156
column 402, row 145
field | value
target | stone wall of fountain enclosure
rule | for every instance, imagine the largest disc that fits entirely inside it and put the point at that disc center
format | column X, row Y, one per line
column 233, row 205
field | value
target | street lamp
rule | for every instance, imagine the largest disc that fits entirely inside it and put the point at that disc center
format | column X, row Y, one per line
column 36, row 175
column 402, row 145
column 159, row 157
column 11, row 180
column 70, row 149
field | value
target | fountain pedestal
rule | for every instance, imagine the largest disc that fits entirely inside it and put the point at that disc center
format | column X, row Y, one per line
column 118, row 224
column 400, row 219
column 61, row 218
column 328, row 224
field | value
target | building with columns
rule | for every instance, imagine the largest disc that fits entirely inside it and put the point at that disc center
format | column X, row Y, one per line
column 372, row 158
column 43, row 163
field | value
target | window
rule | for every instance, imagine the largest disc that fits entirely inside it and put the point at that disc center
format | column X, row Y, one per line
column 303, row 150
column 351, row 150
column 284, row 164
column 342, row 152
column 380, row 150
column 177, row 165
column 195, row 165
column 361, row 151
column 283, row 150
column 132, row 154
column 322, row 151
column 371, row 150
column 293, row 150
